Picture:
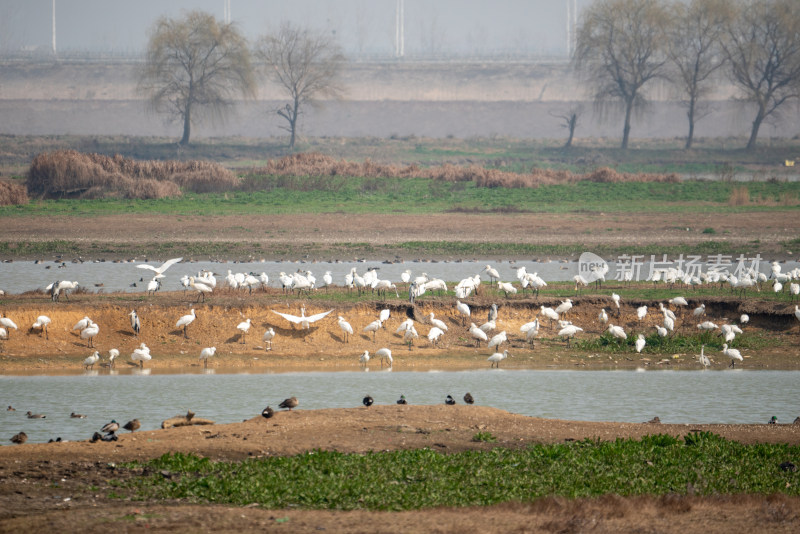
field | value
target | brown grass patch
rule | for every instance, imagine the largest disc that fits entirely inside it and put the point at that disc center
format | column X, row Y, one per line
column 68, row 173
column 12, row 194
column 315, row 165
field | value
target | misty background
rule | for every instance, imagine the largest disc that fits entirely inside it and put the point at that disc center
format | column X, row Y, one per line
column 363, row 27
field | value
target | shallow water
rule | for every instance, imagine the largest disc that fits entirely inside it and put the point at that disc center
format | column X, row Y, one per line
column 21, row 276
column 731, row 396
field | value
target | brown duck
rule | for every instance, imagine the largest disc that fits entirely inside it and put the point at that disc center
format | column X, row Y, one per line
column 132, row 425
column 290, row 403
column 20, row 438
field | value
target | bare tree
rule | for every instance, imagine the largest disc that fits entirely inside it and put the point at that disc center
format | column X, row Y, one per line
column 762, row 45
column 306, row 64
column 694, row 51
column 621, row 47
column 569, row 118
column 195, row 65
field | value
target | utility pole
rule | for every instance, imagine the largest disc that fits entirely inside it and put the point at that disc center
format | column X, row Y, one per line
column 226, row 11
column 572, row 23
column 399, row 29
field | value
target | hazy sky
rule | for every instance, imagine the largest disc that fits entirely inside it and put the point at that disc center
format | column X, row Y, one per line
column 464, row 27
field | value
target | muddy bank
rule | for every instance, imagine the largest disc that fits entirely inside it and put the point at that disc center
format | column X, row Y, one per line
column 324, row 347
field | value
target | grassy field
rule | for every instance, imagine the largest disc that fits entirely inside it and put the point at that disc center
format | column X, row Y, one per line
column 700, row 463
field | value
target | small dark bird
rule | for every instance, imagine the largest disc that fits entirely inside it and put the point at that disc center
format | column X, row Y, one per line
column 402, row 400
column 20, row 438
column 132, row 425
column 11, row 409
column 788, row 466
column 189, row 415
column 468, row 398
column 57, row 440
column 111, row 427
column 450, row 400
column 35, row 415
column 290, row 403
column 77, row 416
column 773, row 420
column 368, row 401
column 109, row 437
column 97, row 436
column 267, row 412
column 655, row 421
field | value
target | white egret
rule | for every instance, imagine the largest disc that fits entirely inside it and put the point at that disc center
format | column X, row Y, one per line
column 364, row 359
column 602, row 316
column 615, row 298
column 205, row 354
column 268, row 336
column 385, row 354
column 83, row 323
column 434, row 335
column 564, row 308
column 42, row 322
column 373, row 327
column 496, row 358
column 744, row 319
column 437, row 322
column 733, row 354
column 405, row 325
column 669, row 323
column 89, row 333
column 478, row 334
column 569, row 332
column 666, row 311
column 617, row 331
column 347, row 329
column 492, row 272
column 244, row 327
column 498, row 340
column 63, row 286
column 112, row 356
column 7, row 323
column 506, row 288
column 641, row 312
column 405, row 276
column 409, row 335
column 463, row 309
column 382, row 286
column 707, row 326
column 384, row 315
column 91, row 360
column 488, row 326
column 640, row 343
column 532, row 331
column 703, row 359
column 794, row 289
column 327, row 278
column 550, row 313
column 700, row 310
column 153, row 286
column 201, row 287
column 797, row 312
column 662, row 332
column 141, row 355
column 185, row 321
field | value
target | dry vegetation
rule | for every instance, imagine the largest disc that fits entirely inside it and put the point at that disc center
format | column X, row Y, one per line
column 740, row 196
column 68, row 173
column 11, row 194
column 319, row 165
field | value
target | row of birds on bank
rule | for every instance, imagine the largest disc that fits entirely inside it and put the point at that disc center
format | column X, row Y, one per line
column 107, row 432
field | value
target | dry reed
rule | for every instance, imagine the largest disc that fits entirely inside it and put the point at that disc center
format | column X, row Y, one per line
column 12, row 194
column 68, row 173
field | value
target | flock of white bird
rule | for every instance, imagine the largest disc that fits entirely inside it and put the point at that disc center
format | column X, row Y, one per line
column 205, row 282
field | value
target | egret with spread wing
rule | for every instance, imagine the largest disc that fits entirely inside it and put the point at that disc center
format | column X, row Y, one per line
column 302, row 320
column 164, row 266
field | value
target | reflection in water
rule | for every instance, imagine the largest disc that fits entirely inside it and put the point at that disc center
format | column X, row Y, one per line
column 732, row 396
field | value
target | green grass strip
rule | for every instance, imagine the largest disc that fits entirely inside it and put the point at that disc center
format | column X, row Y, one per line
column 406, row 480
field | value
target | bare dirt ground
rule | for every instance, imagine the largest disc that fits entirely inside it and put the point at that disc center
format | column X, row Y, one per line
column 288, row 237
column 66, row 486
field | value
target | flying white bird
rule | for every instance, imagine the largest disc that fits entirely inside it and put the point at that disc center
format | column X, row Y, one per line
column 162, row 268
column 304, row 322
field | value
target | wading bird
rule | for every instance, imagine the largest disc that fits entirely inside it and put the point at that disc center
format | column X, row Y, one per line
column 733, row 354
column 207, row 353
column 185, row 321
column 385, row 354
column 267, row 337
column 243, row 327
column 496, row 358
column 136, row 324
column 289, row 403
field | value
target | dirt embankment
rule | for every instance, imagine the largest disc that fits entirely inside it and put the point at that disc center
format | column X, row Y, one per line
column 323, row 346
column 67, row 486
